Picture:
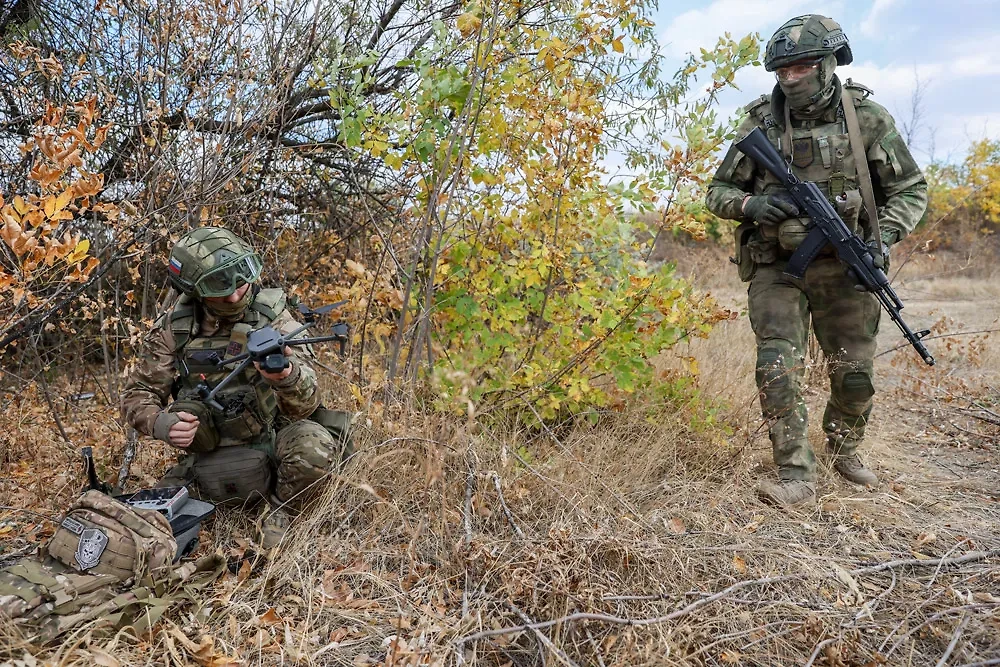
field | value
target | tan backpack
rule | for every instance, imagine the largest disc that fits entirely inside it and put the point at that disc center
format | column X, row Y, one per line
column 100, row 535
column 108, row 563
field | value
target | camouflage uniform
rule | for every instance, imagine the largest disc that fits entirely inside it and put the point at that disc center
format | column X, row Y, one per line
column 845, row 321
column 236, row 455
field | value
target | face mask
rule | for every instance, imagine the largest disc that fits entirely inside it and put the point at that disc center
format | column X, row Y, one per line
column 813, row 91
column 229, row 310
column 799, row 93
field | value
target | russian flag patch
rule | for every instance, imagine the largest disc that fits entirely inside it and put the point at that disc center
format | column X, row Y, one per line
column 174, row 267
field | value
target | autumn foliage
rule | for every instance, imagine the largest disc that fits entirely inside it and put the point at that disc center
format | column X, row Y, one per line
column 451, row 188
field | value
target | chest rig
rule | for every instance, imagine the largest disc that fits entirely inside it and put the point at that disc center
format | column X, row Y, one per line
column 250, row 402
column 819, row 151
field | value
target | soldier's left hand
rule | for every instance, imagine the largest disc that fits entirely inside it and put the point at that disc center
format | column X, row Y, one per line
column 880, row 254
column 277, row 377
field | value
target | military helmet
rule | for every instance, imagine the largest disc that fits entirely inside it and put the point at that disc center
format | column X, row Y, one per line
column 805, row 37
column 212, row 261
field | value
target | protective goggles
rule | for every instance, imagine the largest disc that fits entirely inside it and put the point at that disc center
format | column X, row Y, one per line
column 226, row 278
column 796, row 71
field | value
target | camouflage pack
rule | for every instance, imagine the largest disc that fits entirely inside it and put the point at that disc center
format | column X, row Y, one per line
column 44, row 598
column 107, row 562
column 100, row 535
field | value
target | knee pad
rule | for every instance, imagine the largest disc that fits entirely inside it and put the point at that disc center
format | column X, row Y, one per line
column 855, row 387
column 234, row 476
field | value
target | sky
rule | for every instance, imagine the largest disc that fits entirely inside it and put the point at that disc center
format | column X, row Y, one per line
column 952, row 47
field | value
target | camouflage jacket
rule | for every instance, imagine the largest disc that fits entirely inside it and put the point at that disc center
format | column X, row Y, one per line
column 185, row 331
column 821, row 153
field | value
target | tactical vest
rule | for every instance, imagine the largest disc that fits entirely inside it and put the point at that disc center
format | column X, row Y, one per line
column 250, row 401
column 820, row 153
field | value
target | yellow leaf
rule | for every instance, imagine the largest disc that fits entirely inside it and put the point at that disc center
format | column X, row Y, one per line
column 63, row 200
column 617, row 45
column 468, row 23
column 19, row 205
column 79, row 252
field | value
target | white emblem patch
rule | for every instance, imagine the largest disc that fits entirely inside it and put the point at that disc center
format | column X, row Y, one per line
column 92, row 544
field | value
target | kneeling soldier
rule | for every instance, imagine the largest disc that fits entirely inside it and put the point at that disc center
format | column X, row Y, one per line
column 272, row 441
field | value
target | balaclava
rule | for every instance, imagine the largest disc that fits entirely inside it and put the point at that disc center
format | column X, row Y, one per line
column 810, row 96
column 230, row 311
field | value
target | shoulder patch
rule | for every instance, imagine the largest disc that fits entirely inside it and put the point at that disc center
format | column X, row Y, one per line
column 760, row 109
column 757, row 103
column 269, row 302
column 864, row 90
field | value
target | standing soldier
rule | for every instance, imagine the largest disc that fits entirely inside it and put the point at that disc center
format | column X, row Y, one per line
column 834, row 135
column 273, row 441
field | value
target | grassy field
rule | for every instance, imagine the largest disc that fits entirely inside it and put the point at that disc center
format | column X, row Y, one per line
column 638, row 541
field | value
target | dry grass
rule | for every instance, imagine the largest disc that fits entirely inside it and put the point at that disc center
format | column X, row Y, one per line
column 411, row 558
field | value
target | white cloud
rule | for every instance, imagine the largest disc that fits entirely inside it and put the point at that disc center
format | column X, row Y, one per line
column 701, row 28
column 892, row 81
column 870, row 24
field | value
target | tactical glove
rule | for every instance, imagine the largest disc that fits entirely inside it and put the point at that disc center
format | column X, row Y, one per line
column 770, row 209
column 880, row 258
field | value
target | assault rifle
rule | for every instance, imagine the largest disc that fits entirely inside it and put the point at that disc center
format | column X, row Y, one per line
column 828, row 227
column 266, row 346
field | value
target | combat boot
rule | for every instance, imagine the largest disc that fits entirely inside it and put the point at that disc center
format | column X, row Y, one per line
column 273, row 524
column 787, row 492
column 852, row 469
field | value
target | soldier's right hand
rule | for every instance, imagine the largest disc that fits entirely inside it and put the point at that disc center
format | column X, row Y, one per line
column 182, row 433
column 770, row 209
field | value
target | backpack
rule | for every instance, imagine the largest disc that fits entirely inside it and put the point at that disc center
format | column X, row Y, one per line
column 106, row 562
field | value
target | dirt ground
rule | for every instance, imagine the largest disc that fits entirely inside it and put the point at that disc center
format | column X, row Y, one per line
column 933, row 434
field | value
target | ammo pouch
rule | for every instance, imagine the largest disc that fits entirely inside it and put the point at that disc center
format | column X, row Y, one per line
column 752, row 249
column 100, row 535
column 338, row 423
column 234, row 476
column 793, row 231
column 206, row 438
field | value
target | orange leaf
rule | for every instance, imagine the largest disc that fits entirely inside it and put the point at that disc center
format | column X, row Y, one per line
column 740, row 564
column 270, row 617
column 676, row 526
column 64, row 199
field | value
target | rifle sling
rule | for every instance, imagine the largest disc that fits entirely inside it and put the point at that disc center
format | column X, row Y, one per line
column 861, row 162
column 811, row 246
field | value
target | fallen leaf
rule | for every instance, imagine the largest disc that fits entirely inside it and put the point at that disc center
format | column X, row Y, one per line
column 740, row 564
column 675, row 526
column 270, row 617
column 102, row 658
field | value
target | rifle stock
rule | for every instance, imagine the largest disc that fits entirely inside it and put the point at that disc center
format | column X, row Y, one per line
column 828, row 227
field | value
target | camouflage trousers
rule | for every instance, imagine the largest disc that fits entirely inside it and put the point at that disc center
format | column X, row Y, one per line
column 845, row 323
column 301, row 454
